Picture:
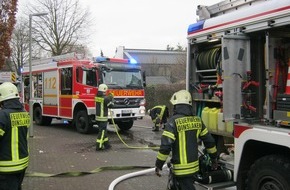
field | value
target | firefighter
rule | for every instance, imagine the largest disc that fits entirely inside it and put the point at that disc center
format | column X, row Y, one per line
column 103, row 102
column 14, row 124
column 159, row 115
column 181, row 137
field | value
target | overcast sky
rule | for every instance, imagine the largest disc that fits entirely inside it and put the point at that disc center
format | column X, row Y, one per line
column 139, row 24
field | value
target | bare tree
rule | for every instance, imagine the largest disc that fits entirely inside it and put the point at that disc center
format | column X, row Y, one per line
column 169, row 48
column 178, row 70
column 178, row 73
column 64, row 26
column 7, row 21
column 20, row 44
column 178, row 48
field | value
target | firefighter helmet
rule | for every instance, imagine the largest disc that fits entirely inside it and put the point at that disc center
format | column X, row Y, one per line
column 8, row 91
column 103, row 88
column 181, row 97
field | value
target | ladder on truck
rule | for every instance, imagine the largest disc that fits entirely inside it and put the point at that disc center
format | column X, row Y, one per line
column 51, row 62
column 206, row 12
column 64, row 57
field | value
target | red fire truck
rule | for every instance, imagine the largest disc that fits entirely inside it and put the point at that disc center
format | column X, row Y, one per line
column 64, row 87
column 8, row 76
column 238, row 71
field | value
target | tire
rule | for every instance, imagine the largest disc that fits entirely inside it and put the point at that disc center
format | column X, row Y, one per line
column 82, row 123
column 270, row 172
column 39, row 118
column 125, row 125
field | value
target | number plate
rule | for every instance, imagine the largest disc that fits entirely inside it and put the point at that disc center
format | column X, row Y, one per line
column 126, row 111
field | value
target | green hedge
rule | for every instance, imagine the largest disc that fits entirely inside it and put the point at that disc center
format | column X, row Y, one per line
column 161, row 94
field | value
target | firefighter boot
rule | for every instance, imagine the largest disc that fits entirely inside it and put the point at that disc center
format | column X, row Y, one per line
column 99, row 148
column 102, row 138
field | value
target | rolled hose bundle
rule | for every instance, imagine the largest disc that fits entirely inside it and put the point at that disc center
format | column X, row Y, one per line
column 208, row 59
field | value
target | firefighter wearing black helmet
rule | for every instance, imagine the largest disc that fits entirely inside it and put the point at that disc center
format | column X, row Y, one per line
column 181, row 137
column 103, row 102
column 14, row 123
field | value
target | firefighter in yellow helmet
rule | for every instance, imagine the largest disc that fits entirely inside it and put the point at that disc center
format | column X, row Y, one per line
column 181, row 137
column 14, row 124
column 103, row 102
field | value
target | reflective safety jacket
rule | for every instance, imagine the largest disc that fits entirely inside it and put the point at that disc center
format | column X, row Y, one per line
column 180, row 136
column 159, row 112
column 103, row 102
column 14, row 124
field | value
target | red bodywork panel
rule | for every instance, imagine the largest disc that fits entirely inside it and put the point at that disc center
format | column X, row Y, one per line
column 239, row 129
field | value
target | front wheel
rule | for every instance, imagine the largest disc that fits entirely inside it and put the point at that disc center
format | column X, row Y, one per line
column 82, row 123
column 39, row 118
column 125, row 125
column 270, row 172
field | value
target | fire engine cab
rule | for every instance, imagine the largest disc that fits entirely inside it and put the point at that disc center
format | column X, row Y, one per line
column 65, row 86
column 238, row 72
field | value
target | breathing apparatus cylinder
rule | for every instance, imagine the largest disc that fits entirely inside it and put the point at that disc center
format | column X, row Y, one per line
column 221, row 175
column 207, row 175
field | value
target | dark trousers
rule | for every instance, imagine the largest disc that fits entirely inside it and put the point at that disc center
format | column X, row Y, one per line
column 11, row 181
column 185, row 183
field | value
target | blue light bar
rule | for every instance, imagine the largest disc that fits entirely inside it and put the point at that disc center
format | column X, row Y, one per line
column 195, row 27
column 101, row 59
column 133, row 61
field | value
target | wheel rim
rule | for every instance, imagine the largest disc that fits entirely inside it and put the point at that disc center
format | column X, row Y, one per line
column 269, row 183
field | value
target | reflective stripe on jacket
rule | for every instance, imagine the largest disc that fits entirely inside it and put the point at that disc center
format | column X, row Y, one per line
column 160, row 111
column 102, row 105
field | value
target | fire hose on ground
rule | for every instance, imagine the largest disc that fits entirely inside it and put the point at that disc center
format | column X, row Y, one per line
column 96, row 170
column 128, row 146
column 131, row 175
column 146, row 169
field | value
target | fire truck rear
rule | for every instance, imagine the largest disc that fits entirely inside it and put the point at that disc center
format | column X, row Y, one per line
column 8, row 76
column 64, row 87
column 238, row 71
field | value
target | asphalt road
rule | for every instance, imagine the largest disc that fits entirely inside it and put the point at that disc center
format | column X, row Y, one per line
column 59, row 149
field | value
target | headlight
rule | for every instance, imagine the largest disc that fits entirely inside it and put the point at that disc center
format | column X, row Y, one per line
column 142, row 111
column 142, row 102
column 110, row 113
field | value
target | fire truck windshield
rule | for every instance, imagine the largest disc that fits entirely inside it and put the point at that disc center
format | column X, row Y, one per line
column 123, row 79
